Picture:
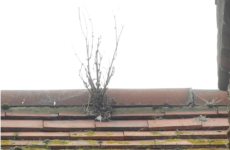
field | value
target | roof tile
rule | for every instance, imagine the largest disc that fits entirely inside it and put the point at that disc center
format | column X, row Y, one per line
column 17, row 115
column 169, row 143
column 133, row 125
column 173, row 124
column 35, row 135
column 96, row 135
column 173, row 96
column 66, row 115
column 3, row 114
column 222, row 112
column 130, row 116
column 191, row 113
column 21, row 125
column 216, row 123
column 210, row 95
column 133, row 135
column 69, row 125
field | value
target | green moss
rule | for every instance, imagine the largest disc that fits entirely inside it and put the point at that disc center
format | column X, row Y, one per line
column 34, row 142
column 134, row 110
column 146, row 142
column 77, row 134
column 117, row 142
column 75, row 109
column 186, row 109
column 156, row 133
column 171, row 140
column 181, row 132
column 59, row 142
column 92, row 142
column 90, row 133
column 208, row 141
column 33, row 148
column 5, row 142
column 206, row 149
column 108, row 133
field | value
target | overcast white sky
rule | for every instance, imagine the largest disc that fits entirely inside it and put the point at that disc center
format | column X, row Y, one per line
column 165, row 43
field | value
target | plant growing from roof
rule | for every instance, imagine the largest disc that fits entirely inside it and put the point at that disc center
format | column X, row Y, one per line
column 16, row 135
column 5, row 106
column 98, row 103
column 16, row 148
column 100, row 142
column 46, row 142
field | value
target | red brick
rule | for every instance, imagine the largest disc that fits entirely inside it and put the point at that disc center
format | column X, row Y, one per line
column 35, row 135
column 97, row 135
column 3, row 114
column 122, row 125
column 17, row 115
column 173, row 124
column 21, row 125
column 130, row 116
column 216, row 123
column 190, row 113
column 70, row 125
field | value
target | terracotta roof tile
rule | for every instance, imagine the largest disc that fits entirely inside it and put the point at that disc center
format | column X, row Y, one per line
column 210, row 95
column 130, row 116
column 69, row 125
column 91, row 135
column 173, row 124
column 174, row 96
column 216, row 123
column 134, row 135
column 170, row 143
column 191, row 113
column 14, row 115
column 222, row 112
column 122, row 125
column 66, row 115
column 150, row 96
column 35, row 135
column 3, row 114
column 129, row 127
column 43, row 97
column 21, row 125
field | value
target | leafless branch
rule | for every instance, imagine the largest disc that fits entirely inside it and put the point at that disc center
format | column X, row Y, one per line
column 98, row 102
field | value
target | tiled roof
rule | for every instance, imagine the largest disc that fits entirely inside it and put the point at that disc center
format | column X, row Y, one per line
column 138, row 122
column 140, row 97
